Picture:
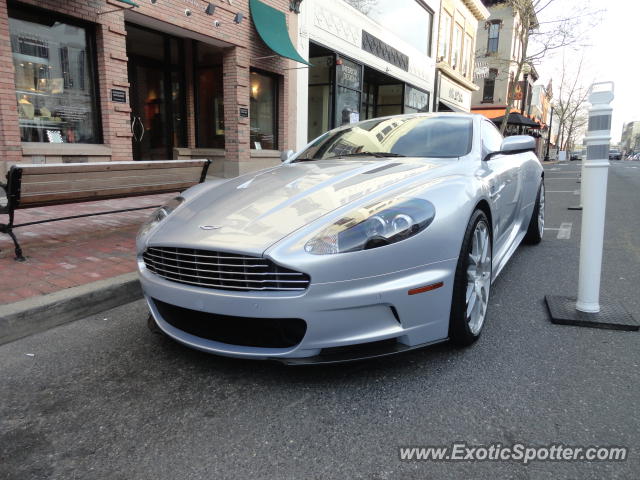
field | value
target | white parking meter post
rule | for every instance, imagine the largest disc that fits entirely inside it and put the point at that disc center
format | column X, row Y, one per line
column 586, row 310
column 595, row 172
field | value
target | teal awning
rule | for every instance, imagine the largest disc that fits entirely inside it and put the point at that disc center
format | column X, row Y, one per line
column 271, row 25
column 129, row 2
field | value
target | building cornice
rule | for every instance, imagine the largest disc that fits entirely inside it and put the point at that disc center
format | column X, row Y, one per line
column 478, row 9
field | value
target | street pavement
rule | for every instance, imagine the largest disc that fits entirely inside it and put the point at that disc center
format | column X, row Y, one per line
column 105, row 398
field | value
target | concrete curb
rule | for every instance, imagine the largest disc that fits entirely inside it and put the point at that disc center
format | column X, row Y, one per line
column 37, row 314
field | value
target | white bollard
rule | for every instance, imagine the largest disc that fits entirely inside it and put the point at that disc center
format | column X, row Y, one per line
column 595, row 170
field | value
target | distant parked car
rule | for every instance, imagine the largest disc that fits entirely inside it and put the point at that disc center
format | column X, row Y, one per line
column 615, row 155
column 574, row 156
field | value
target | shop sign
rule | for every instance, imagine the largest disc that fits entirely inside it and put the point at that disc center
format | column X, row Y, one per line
column 349, row 74
column 453, row 93
column 244, row 112
column 118, row 96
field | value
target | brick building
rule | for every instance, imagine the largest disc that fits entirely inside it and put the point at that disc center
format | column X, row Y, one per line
column 110, row 80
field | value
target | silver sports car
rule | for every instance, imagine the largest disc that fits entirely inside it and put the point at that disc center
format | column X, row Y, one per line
column 378, row 237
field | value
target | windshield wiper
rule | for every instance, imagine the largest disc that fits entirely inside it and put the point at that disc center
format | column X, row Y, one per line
column 370, row 154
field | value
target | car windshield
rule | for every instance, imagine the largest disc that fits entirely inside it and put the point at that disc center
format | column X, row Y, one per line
column 409, row 136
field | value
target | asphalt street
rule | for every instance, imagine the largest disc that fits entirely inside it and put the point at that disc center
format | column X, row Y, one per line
column 105, row 398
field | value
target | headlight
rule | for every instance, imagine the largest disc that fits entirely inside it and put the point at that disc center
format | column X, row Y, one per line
column 159, row 215
column 372, row 226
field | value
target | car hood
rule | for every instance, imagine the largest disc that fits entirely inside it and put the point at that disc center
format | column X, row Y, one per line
column 252, row 212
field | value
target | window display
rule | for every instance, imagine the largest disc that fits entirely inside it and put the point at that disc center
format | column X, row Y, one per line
column 54, row 80
column 264, row 108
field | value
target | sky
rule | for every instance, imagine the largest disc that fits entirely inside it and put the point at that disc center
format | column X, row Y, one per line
column 613, row 56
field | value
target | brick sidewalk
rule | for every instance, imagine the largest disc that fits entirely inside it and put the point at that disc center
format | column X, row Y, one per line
column 71, row 252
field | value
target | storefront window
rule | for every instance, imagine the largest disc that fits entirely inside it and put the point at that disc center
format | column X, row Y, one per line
column 389, row 100
column 209, row 98
column 54, row 79
column 320, row 95
column 264, row 108
column 415, row 100
column 349, row 75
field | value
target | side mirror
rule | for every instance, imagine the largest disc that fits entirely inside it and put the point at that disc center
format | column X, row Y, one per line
column 518, row 144
column 286, row 155
column 515, row 144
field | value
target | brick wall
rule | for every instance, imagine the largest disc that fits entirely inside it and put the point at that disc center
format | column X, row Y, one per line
column 243, row 47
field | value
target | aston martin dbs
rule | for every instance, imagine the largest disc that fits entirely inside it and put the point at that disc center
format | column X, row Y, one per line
column 377, row 237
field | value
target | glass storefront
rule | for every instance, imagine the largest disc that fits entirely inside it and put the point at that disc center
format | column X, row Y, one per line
column 209, row 97
column 157, row 93
column 54, row 78
column 354, row 92
column 263, row 111
column 320, row 94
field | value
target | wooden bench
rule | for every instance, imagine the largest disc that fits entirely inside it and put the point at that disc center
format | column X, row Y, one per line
column 30, row 186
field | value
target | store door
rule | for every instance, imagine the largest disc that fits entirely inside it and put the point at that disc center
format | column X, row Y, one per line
column 149, row 124
column 156, row 93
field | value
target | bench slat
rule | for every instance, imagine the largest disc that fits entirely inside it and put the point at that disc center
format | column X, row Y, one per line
column 40, row 169
column 87, row 189
column 76, row 197
column 76, row 182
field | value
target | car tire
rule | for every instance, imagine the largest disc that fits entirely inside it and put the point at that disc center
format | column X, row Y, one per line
column 472, row 282
column 536, row 224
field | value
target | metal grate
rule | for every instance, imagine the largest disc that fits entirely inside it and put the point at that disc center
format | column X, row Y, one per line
column 221, row 270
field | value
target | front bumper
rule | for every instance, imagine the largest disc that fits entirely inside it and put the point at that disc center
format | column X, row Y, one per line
column 337, row 314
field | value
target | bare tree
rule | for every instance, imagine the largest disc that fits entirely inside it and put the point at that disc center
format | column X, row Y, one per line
column 539, row 38
column 364, row 6
column 570, row 104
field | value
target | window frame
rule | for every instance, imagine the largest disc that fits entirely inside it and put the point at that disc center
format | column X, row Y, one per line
column 492, row 78
column 466, row 55
column 498, row 26
column 90, row 30
column 445, row 44
column 276, row 107
column 457, row 46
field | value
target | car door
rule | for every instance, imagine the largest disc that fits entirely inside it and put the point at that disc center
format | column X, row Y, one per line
column 504, row 184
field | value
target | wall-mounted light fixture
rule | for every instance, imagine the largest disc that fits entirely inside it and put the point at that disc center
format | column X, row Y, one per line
column 294, row 5
column 239, row 17
column 210, row 9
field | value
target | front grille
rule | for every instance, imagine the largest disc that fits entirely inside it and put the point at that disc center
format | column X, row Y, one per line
column 244, row 331
column 225, row 271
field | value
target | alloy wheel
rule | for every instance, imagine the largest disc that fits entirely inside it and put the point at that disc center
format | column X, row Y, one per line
column 478, row 277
